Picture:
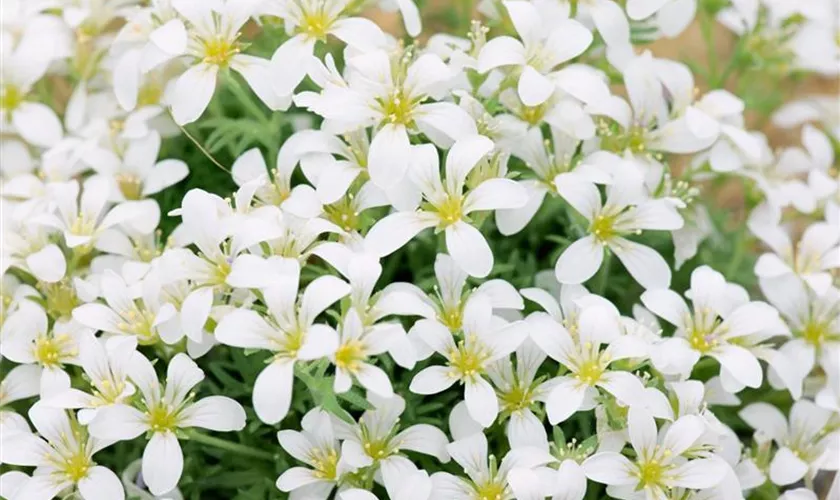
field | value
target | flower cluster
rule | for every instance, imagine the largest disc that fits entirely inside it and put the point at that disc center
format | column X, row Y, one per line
column 484, row 267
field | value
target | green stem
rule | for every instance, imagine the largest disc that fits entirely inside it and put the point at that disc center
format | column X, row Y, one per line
column 738, row 255
column 706, row 25
column 244, row 97
column 237, row 448
column 604, row 273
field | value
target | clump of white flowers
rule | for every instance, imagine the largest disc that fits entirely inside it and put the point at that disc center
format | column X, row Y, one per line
column 499, row 262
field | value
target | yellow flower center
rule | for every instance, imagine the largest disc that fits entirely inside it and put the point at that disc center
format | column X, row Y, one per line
column 316, row 24
column 343, row 214
column 51, row 351
column 451, row 317
column 10, row 97
column 349, row 355
column 219, row 50
column 603, row 227
column 325, row 463
column 815, row 332
column 108, row 392
column 378, row 450
column 590, row 372
column 490, row 490
column 467, row 361
column 83, row 226
column 76, row 466
column 397, row 108
column 130, row 186
column 518, row 398
column 702, row 340
column 139, row 323
column 533, row 115
column 650, row 473
column 162, row 419
column 450, row 211
column 149, row 94
column 60, row 297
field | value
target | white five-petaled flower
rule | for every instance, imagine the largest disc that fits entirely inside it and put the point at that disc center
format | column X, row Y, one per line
column 485, row 479
column 587, row 362
column 62, row 457
column 22, row 67
column 289, row 332
column 210, row 36
column 136, row 173
column 377, row 438
column 447, row 206
column 807, row 441
column 720, row 317
column 165, row 411
column 81, row 219
column 663, row 460
column 28, row 339
column 518, row 391
column 355, row 344
column 485, row 339
column 104, row 363
column 812, row 258
column 390, row 94
column 627, row 210
column 125, row 315
column 546, row 43
column 317, row 446
column 310, row 21
column 814, row 321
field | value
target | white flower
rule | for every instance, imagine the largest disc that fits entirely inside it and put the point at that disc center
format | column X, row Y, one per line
column 662, row 462
column 519, row 391
column 810, row 108
column 124, row 314
column 735, row 146
column 660, row 118
column 403, row 481
column 21, row 382
column 311, row 21
column 62, row 457
column 390, row 94
column 276, row 189
column 316, row 446
column 28, row 339
column 378, row 440
column 588, row 364
column 83, row 219
column 546, row 43
column 485, row 340
column 448, row 206
column 211, row 37
column 222, row 238
column 164, row 412
column 626, row 211
column 720, row 318
column 485, row 480
column 806, row 443
column 23, row 66
column 812, row 258
column 814, row 321
column 137, row 174
column 547, row 163
column 355, row 345
column 105, row 364
column 290, row 333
